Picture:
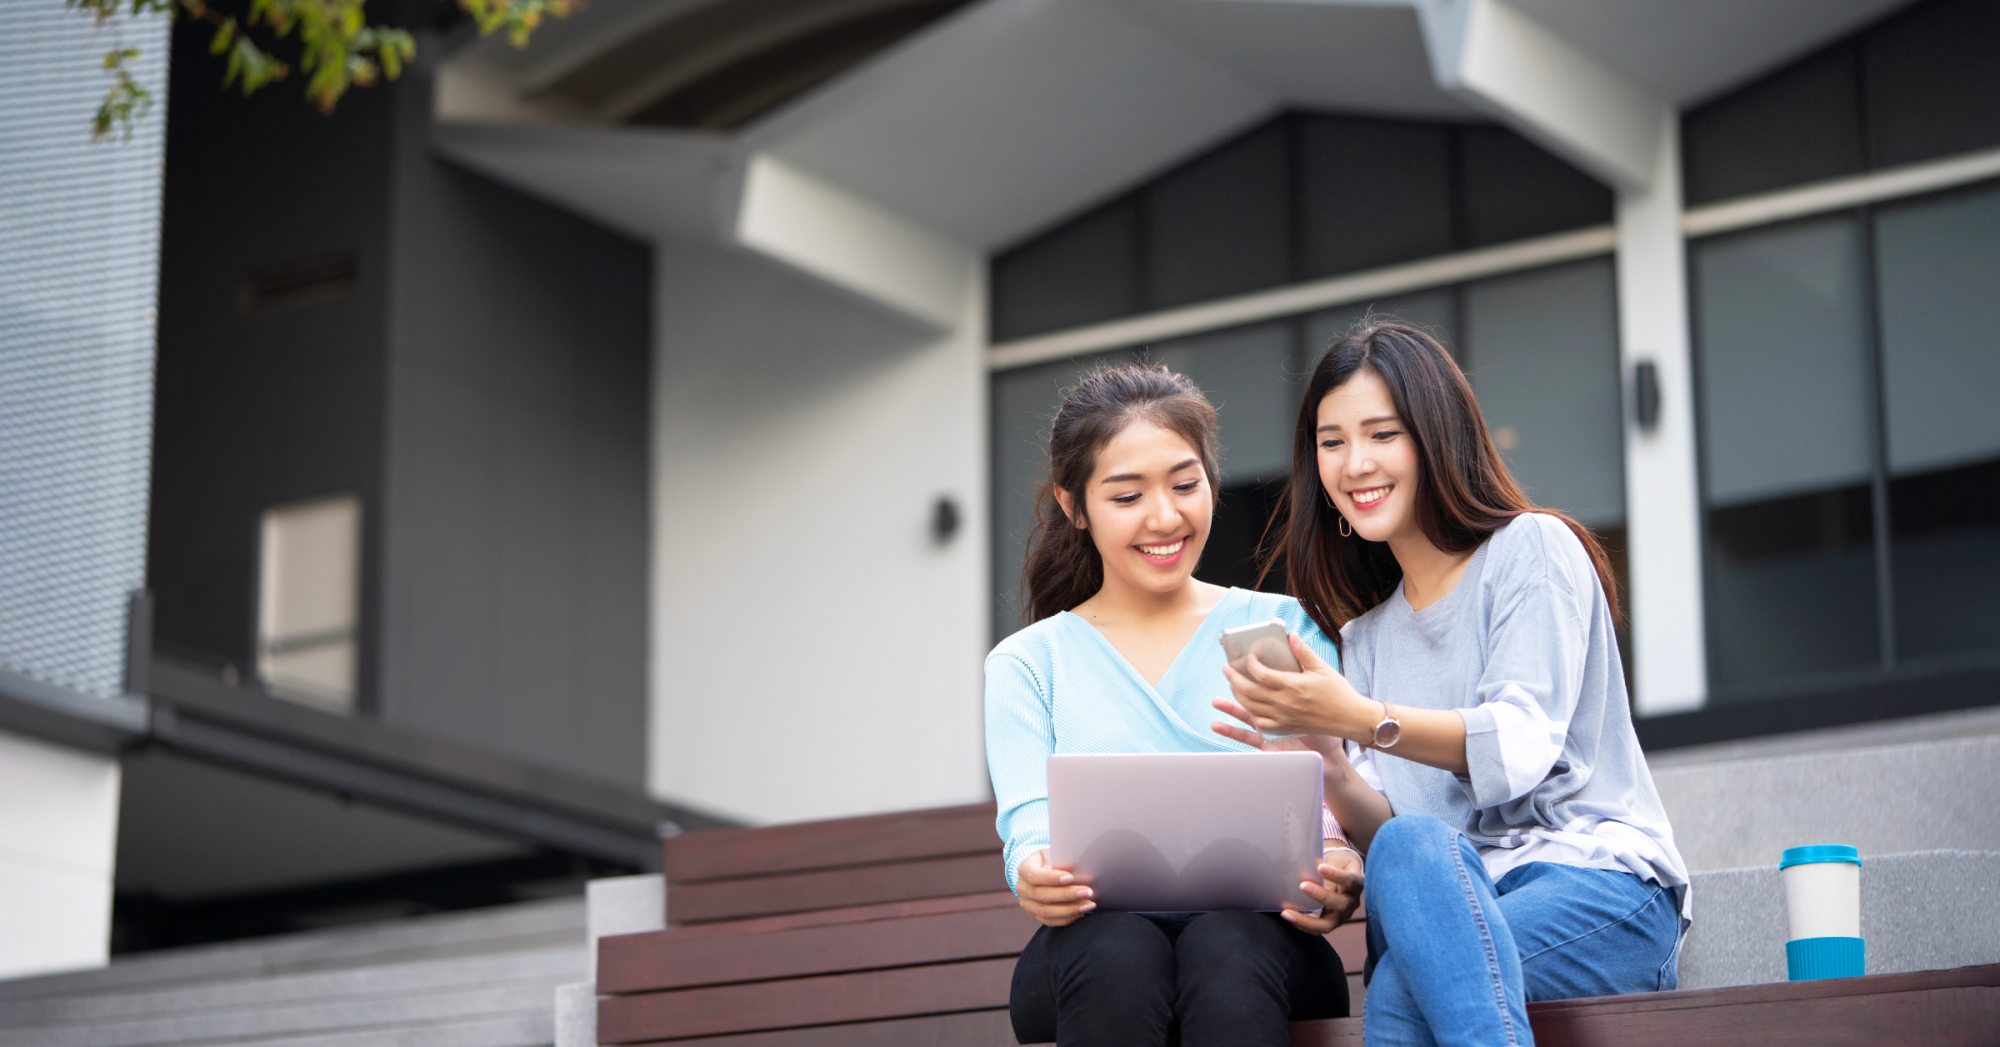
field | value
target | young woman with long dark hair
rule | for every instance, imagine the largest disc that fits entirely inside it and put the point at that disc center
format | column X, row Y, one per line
column 1516, row 847
column 1123, row 658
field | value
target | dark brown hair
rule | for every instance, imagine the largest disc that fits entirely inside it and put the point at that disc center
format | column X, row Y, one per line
column 1464, row 491
column 1063, row 567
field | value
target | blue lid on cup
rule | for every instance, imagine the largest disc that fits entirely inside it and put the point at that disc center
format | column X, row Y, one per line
column 1819, row 852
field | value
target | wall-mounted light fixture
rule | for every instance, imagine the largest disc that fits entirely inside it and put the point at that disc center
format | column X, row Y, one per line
column 944, row 519
column 1646, row 395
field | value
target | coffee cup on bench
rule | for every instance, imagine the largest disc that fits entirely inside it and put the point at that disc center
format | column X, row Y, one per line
column 1823, row 903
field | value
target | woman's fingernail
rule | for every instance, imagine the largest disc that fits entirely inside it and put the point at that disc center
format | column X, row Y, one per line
column 1290, row 916
column 1066, row 878
column 1086, row 907
column 1083, row 892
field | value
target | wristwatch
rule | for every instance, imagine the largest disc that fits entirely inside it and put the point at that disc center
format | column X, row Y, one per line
column 1387, row 731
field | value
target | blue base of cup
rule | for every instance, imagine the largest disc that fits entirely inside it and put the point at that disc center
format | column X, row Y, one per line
column 1810, row 958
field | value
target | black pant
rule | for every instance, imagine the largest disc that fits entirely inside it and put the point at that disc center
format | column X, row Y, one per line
column 1124, row 978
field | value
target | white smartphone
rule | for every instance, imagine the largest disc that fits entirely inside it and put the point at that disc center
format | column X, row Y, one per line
column 1267, row 641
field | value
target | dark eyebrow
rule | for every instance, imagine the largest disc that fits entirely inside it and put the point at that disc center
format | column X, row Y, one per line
column 1128, row 477
column 1365, row 422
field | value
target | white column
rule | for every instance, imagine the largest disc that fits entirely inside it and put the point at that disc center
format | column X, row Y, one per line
column 1662, row 493
column 58, row 835
column 1537, row 82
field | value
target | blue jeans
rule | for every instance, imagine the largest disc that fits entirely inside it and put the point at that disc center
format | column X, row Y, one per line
column 1454, row 958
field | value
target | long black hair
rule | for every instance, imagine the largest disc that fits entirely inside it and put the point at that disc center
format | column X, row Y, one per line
column 1464, row 491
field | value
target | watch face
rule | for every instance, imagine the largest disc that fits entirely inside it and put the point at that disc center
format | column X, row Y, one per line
column 1386, row 733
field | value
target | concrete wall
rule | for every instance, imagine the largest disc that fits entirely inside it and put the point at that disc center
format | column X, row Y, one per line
column 513, row 601
column 814, row 652
column 58, row 831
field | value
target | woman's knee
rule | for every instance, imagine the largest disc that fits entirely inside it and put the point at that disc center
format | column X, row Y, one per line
column 1409, row 837
column 1120, row 938
column 1228, row 937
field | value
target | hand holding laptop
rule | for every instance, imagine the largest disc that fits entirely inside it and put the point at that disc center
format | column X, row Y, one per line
column 1051, row 896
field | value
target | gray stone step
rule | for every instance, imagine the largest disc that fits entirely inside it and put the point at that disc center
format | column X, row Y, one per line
column 549, row 923
column 1921, row 911
column 1740, row 812
column 495, row 1000
column 560, row 964
column 510, row 1030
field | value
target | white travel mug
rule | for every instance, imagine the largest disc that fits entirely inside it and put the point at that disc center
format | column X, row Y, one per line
column 1823, row 902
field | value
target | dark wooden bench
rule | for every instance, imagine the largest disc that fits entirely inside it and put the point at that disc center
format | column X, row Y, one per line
column 899, row 930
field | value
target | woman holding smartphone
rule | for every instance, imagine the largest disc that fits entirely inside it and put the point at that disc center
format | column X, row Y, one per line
column 1516, row 847
column 1123, row 657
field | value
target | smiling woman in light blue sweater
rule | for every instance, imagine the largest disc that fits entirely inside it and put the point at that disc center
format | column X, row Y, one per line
column 1123, row 658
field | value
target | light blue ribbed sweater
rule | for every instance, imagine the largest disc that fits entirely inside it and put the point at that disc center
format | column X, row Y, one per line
column 1058, row 686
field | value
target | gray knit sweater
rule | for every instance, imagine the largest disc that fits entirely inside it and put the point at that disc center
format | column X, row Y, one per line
column 1523, row 649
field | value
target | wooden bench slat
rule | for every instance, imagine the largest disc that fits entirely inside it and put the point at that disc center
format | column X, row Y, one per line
column 969, row 1029
column 830, row 888
column 1954, row 1008
column 827, row 917
column 940, row 938
column 715, row 854
column 823, row 1000
column 1350, row 940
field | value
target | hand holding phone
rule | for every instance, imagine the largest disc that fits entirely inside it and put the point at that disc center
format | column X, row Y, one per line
column 1267, row 641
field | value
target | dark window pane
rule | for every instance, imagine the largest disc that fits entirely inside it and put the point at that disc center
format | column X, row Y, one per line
column 1791, row 587
column 1084, row 271
column 1246, row 373
column 1230, row 557
column 1786, row 423
column 1782, row 331
column 1435, row 311
column 1221, row 225
column 1516, row 189
column 1938, row 268
column 1024, row 403
column 1938, row 264
column 1543, row 348
column 1932, row 89
column 1372, row 192
column 1800, row 124
column 1945, row 527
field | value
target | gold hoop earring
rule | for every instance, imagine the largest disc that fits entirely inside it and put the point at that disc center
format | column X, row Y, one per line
column 1328, row 495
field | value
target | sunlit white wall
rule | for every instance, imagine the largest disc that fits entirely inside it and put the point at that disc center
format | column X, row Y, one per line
column 58, row 834
column 815, row 651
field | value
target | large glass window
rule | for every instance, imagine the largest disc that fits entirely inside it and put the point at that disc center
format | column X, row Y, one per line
column 1787, row 439
column 1301, row 197
column 1541, row 350
column 1938, row 271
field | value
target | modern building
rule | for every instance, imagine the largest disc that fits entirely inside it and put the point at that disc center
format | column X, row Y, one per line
column 634, row 432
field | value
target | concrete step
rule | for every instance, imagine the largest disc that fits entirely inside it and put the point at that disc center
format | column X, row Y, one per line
column 510, row 1030
column 527, row 926
column 1921, row 911
column 1885, row 799
column 351, row 984
column 495, row 1000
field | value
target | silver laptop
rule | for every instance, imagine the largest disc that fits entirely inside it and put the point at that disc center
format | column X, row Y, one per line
column 1188, row 832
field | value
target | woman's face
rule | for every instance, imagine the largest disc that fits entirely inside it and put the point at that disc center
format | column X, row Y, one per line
column 1147, row 506
column 1367, row 461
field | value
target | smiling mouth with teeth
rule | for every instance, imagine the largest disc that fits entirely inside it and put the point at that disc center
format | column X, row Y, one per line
column 1369, row 496
column 1162, row 552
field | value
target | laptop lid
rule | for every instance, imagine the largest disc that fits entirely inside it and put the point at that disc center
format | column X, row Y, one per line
column 1187, row 832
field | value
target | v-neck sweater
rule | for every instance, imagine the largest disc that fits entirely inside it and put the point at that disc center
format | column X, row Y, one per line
column 1059, row 686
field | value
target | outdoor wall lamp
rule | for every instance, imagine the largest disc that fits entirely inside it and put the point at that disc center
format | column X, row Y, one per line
column 1646, row 395
column 944, row 519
